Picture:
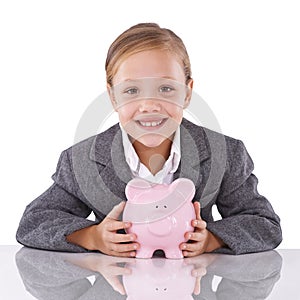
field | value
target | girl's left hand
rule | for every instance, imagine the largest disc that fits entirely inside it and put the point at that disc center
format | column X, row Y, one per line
column 201, row 240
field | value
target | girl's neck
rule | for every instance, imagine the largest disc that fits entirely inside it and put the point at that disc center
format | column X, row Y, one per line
column 153, row 157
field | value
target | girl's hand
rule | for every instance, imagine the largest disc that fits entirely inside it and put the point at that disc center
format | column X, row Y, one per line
column 108, row 241
column 201, row 240
column 104, row 237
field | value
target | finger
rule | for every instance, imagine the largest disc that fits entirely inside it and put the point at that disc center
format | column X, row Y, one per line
column 122, row 254
column 191, row 253
column 119, row 248
column 196, row 247
column 116, row 211
column 197, row 236
column 113, row 225
column 197, row 210
column 120, row 237
column 200, row 224
column 193, row 247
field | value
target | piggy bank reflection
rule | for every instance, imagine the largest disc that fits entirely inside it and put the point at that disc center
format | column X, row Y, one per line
column 159, row 278
column 160, row 214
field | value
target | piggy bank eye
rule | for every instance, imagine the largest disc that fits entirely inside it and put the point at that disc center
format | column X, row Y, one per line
column 156, row 206
column 165, row 206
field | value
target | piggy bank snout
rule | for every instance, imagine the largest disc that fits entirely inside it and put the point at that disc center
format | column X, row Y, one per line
column 161, row 228
column 161, row 207
column 160, row 211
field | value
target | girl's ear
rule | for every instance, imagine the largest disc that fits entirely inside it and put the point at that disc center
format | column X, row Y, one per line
column 110, row 92
column 189, row 91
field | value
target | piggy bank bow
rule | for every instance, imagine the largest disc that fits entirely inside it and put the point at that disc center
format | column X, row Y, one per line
column 160, row 215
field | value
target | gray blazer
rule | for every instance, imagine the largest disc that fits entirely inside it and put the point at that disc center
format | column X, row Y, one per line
column 91, row 176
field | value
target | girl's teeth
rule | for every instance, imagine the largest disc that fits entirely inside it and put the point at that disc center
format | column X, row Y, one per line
column 150, row 124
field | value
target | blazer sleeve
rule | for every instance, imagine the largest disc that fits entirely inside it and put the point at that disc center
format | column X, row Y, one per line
column 56, row 213
column 249, row 223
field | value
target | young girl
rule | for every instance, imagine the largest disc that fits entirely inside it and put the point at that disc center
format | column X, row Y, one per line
column 149, row 83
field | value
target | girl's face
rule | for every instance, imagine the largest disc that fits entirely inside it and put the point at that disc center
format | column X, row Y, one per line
column 149, row 93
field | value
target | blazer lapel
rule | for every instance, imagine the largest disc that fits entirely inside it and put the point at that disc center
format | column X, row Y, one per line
column 114, row 172
column 194, row 151
column 203, row 160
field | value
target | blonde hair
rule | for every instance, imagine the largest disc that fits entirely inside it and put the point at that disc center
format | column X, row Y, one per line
column 143, row 37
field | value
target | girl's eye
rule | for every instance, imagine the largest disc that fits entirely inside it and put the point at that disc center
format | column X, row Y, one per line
column 166, row 89
column 131, row 91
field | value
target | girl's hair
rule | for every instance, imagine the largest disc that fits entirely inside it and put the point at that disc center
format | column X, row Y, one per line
column 143, row 37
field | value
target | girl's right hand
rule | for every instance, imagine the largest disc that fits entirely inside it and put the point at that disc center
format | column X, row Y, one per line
column 108, row 241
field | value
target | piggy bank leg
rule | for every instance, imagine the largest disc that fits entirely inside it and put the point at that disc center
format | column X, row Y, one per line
column 173, row 253
column 144, row 252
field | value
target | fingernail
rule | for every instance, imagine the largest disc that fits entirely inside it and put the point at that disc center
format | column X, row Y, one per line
column 195, row 222
column 183, row 246
column 132, row 254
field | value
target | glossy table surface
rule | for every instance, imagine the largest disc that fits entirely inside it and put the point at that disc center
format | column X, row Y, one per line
column 35, row 274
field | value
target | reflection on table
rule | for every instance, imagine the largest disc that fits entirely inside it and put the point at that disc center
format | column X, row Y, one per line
column 56, row 275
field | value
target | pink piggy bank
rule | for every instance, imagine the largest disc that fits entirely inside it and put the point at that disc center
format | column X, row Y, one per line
column 160, row 215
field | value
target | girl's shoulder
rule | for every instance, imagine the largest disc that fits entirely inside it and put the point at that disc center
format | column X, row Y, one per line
column 103, row 138
column 202, row 133
column 96, row 147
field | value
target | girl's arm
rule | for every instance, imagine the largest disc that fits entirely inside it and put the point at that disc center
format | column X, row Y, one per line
column 57, row 220
column 249, row 223
column 50, row 218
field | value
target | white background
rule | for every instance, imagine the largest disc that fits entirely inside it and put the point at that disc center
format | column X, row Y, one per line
column 245, row 62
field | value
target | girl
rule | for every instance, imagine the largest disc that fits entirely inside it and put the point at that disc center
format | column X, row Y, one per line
column 149, row 83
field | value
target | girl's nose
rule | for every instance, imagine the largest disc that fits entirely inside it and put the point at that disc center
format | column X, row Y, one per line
column 149, row 105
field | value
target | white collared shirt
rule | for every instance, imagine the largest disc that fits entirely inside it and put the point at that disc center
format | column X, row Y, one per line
column 138, row 169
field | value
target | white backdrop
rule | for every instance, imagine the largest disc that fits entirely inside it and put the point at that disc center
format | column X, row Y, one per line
column 245, row 62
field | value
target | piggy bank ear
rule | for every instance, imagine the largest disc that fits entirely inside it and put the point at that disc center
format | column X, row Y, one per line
column 185, row 187
column 136, row 187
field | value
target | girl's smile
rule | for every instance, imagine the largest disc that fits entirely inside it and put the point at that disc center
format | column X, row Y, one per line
column 151, row 121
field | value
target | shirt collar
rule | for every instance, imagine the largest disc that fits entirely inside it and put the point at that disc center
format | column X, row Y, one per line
column 132, row 158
